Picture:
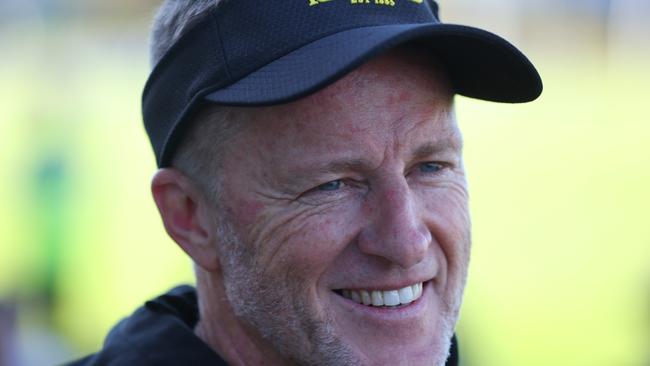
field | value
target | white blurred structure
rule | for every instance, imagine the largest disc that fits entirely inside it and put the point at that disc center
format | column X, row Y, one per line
column 618, row 28
column 504, row 17
column 629, row 31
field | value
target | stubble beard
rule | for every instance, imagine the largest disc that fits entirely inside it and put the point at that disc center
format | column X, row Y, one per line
column 281, row 314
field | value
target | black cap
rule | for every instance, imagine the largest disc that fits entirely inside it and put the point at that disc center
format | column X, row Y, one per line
column 264, row 52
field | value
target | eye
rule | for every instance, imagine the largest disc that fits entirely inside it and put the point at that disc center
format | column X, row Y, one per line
column 330, row 186
column 430, row 167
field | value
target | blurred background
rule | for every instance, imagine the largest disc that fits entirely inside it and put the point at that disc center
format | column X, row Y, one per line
column 560, row 188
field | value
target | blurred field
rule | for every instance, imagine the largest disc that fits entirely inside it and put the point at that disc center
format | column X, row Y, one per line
column 561, row 197
column 560, row 188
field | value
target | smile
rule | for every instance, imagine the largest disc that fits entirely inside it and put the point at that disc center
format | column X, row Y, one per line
column 379, row 298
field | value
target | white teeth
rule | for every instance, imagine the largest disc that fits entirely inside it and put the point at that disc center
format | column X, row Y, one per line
column 377, row 299
column 406, row 295
column 356, row 297
column 365, row 297
column 417, row 290
column 391, row 298
column 402, row 296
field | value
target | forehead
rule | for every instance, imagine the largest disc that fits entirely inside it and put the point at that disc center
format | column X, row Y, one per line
column 401, row 96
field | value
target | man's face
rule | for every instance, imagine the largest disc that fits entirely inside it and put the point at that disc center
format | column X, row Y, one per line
column 349, row 195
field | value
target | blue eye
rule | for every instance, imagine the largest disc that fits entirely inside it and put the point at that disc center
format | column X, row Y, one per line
column 430, row 167
column 331, row 186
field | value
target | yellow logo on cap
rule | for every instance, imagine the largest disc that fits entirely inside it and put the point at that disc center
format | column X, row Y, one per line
column 376, row 2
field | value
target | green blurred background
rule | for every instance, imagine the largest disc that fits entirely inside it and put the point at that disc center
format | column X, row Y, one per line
column 560, row 188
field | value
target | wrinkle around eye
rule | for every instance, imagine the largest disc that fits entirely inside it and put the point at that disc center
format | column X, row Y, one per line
column 430, row 167
column 454, row 187
column 329, row 192
column 274, row 197
column 431, row 170
column 448, row 175
column 330, row 186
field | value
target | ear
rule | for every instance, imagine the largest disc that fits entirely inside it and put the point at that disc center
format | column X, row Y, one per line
column 186, row 215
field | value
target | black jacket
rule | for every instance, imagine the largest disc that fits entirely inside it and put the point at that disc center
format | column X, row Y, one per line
column 161, row 333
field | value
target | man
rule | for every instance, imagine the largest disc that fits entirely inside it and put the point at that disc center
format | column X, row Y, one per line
column 310, row 165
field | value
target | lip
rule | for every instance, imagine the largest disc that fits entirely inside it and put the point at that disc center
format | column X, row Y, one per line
column 386, row 286
column 390, row 314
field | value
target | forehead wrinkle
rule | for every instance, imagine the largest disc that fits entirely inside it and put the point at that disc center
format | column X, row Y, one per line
column 340, row 165
column 431, row 103
column 444, row 136
column 448, row 139
column 435, row 148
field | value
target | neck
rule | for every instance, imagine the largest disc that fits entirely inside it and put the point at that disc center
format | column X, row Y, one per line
column 223, row 332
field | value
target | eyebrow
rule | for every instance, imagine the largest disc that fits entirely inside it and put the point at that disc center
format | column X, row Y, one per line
column 452, row 143
column 446, row 145
column 344, row 164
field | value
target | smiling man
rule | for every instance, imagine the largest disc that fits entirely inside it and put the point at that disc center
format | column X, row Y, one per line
column 311, row 167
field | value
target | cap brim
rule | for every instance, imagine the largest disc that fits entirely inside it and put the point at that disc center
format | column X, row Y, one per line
column 480, row 64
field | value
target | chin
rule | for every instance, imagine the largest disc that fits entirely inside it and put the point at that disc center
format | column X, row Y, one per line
column 434, row 352
column 430, row 348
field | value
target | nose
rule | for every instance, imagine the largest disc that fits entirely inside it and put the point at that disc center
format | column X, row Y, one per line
column 396, row 230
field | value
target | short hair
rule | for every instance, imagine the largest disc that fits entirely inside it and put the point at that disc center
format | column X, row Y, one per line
column 201, row 144
column 173, row 19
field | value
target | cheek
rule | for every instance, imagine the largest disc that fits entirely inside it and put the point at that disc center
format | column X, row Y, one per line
column 448, row 217
column 322, row 239
column 304, row 245
column 248, row 211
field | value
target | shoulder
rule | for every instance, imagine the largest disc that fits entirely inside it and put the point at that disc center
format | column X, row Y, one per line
column 161, row 332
